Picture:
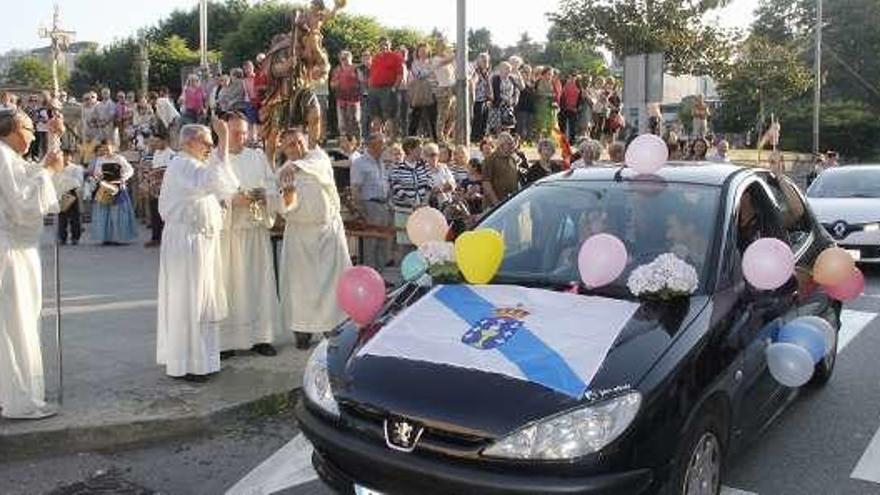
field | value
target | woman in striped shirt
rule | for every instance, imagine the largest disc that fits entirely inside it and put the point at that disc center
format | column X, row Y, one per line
column 410, row 185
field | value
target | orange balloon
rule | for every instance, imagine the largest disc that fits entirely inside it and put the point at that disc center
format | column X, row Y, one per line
column 833, row 266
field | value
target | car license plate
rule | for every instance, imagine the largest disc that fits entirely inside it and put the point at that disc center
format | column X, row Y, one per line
column 855, row 253
column 362, row 490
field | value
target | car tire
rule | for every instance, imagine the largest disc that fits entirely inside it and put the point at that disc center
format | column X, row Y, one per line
column 825, row 367
column 700, row 457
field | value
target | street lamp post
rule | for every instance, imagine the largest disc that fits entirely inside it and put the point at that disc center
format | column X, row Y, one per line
column 817, row 94
column 462, row 95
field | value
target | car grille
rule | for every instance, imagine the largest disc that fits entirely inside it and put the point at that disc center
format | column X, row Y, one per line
column 371, row 422
column 867, row 252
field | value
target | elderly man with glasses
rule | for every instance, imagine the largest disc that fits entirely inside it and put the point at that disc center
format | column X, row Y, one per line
column 26, row 195
column 192, row 297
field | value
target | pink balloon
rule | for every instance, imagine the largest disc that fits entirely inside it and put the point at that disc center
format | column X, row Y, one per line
column 360, row 292
column 647, row 154
column 601, row 260
column 848, row 290
column 768, row 263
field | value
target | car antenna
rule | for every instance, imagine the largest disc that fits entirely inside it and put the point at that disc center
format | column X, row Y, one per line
column 618, row 176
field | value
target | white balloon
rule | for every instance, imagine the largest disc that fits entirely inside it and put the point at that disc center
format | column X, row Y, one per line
column 790, row 365
column 647, row 154
column 825, row 326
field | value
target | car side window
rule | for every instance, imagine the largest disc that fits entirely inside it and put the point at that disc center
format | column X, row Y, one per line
column 795, row 220
column 754, row 217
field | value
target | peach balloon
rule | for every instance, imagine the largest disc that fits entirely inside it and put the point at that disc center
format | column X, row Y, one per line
column 833, row 266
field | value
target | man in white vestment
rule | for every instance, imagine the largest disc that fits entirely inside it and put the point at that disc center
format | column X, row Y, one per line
column 26, row 195
column 192, row 299
column 254, row 319
column 315, row 251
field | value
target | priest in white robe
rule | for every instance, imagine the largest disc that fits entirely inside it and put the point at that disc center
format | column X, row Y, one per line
column 192, row 298
column 254, row 319
column 315, row 251
column 26, row 195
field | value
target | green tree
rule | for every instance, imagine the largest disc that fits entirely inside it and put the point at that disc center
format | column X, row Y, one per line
column 764, row 77
column 255, row 31
column 569, row 55
column 849, row 127
column 31, row 72
column 480, row 41
column 629, row 27
column 113, row 66
column 356, row 33
column 223, row 18
column 168, row 59
column 407, row 37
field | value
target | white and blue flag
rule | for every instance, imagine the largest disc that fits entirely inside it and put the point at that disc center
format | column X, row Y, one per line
column 554, row 339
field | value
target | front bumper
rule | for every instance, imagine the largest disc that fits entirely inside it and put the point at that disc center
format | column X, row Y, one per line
column 341, row 459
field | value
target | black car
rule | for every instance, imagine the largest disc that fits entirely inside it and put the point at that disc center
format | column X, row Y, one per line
column 684, row 386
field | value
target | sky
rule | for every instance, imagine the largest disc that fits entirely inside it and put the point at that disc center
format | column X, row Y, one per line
column 106, row 20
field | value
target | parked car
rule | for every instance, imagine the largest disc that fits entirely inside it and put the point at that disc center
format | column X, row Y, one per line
column 847, row 202
column 682, row 385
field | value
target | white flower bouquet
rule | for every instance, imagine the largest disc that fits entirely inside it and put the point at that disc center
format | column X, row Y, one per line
column 665, row 278
column 441, row 262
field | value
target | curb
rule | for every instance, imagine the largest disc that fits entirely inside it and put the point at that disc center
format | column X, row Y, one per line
column 143, row 432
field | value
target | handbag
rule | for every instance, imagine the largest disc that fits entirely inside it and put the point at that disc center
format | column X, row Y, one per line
column 420, row 93
column 67, row 201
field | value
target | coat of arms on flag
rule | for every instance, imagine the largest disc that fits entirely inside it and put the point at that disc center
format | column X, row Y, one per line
column 493, row 332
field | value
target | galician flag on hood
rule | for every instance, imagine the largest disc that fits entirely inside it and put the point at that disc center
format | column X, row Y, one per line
column 554, row 339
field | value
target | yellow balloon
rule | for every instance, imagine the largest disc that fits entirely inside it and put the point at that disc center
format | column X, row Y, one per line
column 479, row 254
column 833, row 266
column 425, row 225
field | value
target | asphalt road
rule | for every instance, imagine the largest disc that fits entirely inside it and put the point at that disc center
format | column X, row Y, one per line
column 826, row 443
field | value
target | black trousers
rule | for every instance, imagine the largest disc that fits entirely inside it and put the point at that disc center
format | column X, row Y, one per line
column 478, row 124
column 156, row 223
column 423, row 113
column 70, row 218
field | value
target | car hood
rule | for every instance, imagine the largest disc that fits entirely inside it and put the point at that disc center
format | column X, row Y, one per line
column 850, row 210
column 490, row 405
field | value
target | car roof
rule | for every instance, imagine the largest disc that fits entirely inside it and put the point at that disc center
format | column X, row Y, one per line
column 853, row 168
column 704, row 173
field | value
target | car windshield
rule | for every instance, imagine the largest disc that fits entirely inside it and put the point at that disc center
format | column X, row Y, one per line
column 545, row 225
column 847, row 183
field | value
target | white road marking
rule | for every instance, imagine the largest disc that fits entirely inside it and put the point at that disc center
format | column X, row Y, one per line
column 290, row 466
column 868, row 468
column 851, row 324
column 726, row 490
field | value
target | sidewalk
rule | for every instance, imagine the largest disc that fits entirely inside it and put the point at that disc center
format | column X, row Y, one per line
column 114, row 392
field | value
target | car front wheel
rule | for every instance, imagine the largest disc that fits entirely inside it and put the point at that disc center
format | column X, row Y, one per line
column 700, row 460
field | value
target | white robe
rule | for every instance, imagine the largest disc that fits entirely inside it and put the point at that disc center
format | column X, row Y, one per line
column 26, row 195
column 315, row 251
column 192, row 299
column 254, row 313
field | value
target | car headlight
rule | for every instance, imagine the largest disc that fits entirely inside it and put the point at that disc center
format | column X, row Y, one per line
column 571, row 434
column 871, row 227
column 316, row 381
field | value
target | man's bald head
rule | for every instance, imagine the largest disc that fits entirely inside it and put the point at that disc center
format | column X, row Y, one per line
column 16, row 130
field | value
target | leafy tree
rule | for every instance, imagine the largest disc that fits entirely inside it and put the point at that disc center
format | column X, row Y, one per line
column 629, row 27
column 255, row 31
column 169, row 58
column 356, row 33
column 764, row 77
column 569, row 55
column 850, row 127
column 32, row 72
column 114, row 66
column 480, row 40
column 223, row 18
column 409, row 38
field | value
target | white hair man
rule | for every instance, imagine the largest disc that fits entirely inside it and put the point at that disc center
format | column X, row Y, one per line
column 192, row 297
column 26, row 195
column 254, row 319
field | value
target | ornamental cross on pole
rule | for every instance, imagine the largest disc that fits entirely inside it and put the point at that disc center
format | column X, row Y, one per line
column 59, row 41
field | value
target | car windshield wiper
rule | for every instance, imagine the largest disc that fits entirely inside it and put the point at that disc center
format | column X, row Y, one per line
column 863, row 195
column 538, row 282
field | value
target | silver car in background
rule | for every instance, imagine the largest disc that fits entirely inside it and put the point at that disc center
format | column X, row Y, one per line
column 846, row 200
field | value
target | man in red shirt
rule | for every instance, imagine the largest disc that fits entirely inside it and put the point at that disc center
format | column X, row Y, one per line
column 345, row 83
column 386, row 73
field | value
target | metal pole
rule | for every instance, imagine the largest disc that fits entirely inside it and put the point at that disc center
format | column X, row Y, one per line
column 462, row 95
column 203, row 32
column 58, row 321
column 817, row 95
